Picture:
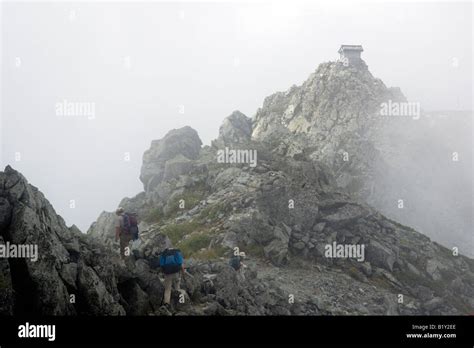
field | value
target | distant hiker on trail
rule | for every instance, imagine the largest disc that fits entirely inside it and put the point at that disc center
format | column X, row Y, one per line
column 172, row 264
column 126, row 229
column 236, row 262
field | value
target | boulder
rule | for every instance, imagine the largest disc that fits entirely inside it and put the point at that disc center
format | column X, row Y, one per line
column 93, row 291
column 183, row 141
column 104, row 227
column 380, row 255
column 433, row 268
column 235, row 129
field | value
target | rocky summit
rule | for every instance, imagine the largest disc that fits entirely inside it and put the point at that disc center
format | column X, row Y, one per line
column 306, row 218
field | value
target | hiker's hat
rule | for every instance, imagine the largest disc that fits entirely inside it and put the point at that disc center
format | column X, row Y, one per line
column 119, row 210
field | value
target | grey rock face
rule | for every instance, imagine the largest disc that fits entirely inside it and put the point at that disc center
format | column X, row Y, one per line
column 381, row 256
column 70, row 275
column 277, row 250
column 177, row 166
column 184, row 141
column 104, row 227
column 6, row 287
column 330, row 119
column 79, row 275
column 5, row 212
column 235, row 129
column 335, row 118
column 288, row 209
column 135, row 204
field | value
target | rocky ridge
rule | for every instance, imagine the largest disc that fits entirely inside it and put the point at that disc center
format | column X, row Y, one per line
column 285, row 211
column 77, row 275
column 282, row 213
column 335, row 118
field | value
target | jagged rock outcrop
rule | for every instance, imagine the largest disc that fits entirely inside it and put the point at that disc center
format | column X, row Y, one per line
column 288, row 210
column 235, row 129
column 68, row 276
column 180, row 145
column 335, row 117
column 76, row 274
column 293, row 204
column 104, row 227
column 330, row 118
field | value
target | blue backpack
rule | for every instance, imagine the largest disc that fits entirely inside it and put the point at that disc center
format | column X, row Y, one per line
column 171, row 261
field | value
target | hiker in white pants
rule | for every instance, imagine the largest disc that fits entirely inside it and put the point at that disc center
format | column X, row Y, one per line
column 172, row 264
column 172, row 280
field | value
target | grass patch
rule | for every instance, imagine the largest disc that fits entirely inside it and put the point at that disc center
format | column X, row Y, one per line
column 194, row 243
column 212, row 212
column 448, row 253
column 197, row 246
column 191, row 197
column 255, row 250
column 198, row 239
column 406, row 277
column 176, row 232
column 212, row 253
column 382, row 282
column 355, row 273
column 154, row 215
column 404, row 227
column 4, row 283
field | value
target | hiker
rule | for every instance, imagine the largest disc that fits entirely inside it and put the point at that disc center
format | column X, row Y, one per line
column 172, row 265
column 122, row 233
column 126, row 229
column 236, row 262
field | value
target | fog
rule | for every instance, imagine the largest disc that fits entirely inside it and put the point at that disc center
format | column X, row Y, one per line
column 143, row 69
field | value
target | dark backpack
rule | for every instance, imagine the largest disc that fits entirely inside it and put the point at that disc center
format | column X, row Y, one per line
column 171, row 261
column 234, row 262
column 130, row 225
column 154, row 261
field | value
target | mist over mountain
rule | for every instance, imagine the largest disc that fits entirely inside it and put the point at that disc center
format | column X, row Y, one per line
column 415, row 168
column 343, row 195
column 151, row 67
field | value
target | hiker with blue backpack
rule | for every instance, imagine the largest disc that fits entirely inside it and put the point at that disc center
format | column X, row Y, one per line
column 126, row 230
column 172, row 265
